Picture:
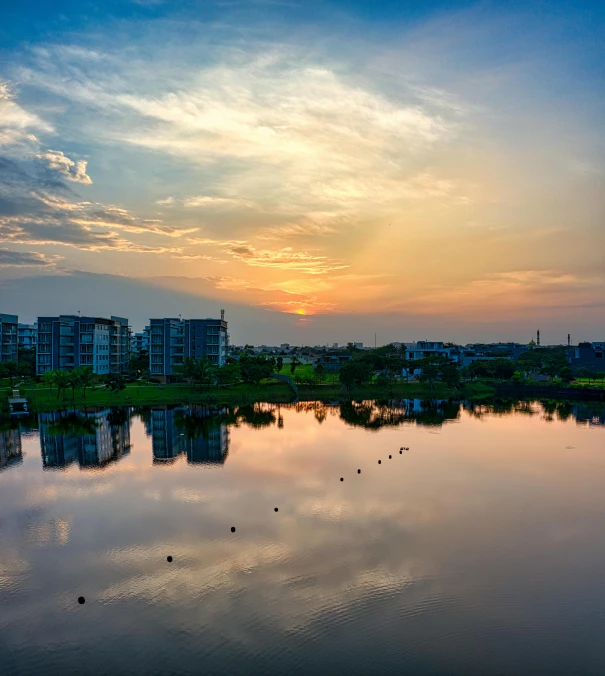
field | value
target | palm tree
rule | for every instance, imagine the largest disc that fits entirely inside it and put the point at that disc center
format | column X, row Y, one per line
column 86, row 377
column 50, row 378
column 204, row 370
column 62, row 381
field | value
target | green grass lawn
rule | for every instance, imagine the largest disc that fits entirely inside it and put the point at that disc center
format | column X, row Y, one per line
column 42, row 399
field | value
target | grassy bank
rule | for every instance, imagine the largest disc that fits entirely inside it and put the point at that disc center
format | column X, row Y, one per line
column 335, row 392
column 42, row 399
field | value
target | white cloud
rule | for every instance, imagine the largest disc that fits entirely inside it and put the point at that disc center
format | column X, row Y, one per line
column 72, row 171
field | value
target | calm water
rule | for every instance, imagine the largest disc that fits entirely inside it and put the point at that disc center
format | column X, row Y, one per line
column 481, row 550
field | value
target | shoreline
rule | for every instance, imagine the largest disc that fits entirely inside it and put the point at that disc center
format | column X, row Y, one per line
column 43, row 400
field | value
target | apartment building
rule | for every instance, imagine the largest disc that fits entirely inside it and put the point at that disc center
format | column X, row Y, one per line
column 140, row 341
column 8, row 337
column 27, row 336
column 69, row 341
column 173, row 340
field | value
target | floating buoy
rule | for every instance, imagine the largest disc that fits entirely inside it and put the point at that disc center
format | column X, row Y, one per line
column 342, row 478
column 379, row 462
column 276, row 510
column 233, row 529
column 401, row 449
column 400, row 452
column 390, row 456
column 358, row 471
column 81, row 600
column 169, row 559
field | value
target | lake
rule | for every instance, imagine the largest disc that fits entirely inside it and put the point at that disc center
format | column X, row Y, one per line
column 480, row 550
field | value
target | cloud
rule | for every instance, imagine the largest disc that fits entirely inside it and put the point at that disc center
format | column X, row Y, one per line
column 166, row 202
column 39, row 206
column 285, row 258
column 15, row 121
column 207, row 201
column 72, row 171
column 10, row 258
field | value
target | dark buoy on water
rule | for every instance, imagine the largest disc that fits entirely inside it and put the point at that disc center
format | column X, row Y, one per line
column 401, row 449
column 358, row 471
column 342, row 478
column 233, row 529
column 276, row 510
column 400, row 452
column 169, row 559
column 390, row 456
column 379, row 462
column 81, row 600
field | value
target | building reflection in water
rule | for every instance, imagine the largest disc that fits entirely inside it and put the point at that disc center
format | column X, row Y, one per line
column 11, row 452
column 202, row 437
column 98, row 438
column 92, row 439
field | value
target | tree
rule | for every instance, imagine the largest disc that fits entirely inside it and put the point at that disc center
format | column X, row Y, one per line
column 355, row 373
column 74, row 381
column 319, row 371
column 230, row 373
column 254, row 369
column 27, row 361
column 430, row 370
column 115, row 382
column 279, row 364
column 50, row 378
column 204, row 371
column 293, row 364
column 62, row 381
column 86, row 377
column 450, row 374
column 9, row 369
column 566, row 374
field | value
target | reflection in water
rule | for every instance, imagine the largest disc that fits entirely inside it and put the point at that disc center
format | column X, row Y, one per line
column 480, row 551
column 92, row 439
column 11, row 452
column 201, row 434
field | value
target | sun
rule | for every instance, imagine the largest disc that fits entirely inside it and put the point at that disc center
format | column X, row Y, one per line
column 301, row 312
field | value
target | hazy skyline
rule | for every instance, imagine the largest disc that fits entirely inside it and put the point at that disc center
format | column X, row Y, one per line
column 325, row 171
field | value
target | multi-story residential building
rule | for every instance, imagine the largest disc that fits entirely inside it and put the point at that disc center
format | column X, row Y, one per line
column 166, row 346
column 173, row 340
column 69, row 341
column 207, row 338
column 27, row 335
column 140, row 341
column 8, row 337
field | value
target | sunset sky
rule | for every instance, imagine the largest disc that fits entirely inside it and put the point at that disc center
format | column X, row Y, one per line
column 324, row 170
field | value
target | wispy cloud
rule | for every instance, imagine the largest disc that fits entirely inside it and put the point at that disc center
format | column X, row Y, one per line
column 10, row 258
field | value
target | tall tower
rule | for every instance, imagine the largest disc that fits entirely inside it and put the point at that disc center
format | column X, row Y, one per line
column 538, row 338
column 569, row 340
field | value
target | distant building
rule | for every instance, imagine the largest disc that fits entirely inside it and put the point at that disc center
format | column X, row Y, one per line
column 140, row 341
column 359, row 346
column 8, row 337
column 587, row 355
column 27, row 335
column 69, row 341
column 174, row 340
column 332, row 361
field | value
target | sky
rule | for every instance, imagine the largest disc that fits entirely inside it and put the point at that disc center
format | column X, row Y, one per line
column 324, row 171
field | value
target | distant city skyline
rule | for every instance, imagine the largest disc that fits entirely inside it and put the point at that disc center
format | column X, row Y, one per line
column 324, row 171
